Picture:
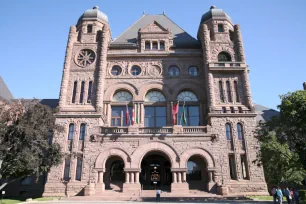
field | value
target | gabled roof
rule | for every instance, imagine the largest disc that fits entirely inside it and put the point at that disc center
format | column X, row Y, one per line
column 264, row 114
column 5, row 93
column 181, row 39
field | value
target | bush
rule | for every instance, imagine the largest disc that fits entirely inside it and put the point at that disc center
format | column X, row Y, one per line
column 302, row 194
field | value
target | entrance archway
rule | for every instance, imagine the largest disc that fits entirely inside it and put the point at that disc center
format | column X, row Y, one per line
column 197, row 174
column 114, row 176
column 156, row 171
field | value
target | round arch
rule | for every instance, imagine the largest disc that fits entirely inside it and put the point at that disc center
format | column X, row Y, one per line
column 164, row 89
column 142, row 150
column 103, row 156
column 193, row 87
column 196, row 151
column 111, row 90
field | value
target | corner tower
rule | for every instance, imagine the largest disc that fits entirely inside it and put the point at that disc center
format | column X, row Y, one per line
column 229, row 103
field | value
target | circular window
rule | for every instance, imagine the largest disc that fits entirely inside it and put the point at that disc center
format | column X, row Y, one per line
column 85, row 57
column 116, row 70
column 174, row 71
column 193, row 71
column 135, row 71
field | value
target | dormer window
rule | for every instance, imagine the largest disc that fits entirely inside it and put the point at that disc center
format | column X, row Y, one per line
column 89, row 28
column 220, row 28
column 154, row 46
column 147, row 45
column 162, row 45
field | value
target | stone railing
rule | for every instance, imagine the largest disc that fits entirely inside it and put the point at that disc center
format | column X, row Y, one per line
column 195, row 129
column 227, row 64
column 177, row 129
column 156, row 130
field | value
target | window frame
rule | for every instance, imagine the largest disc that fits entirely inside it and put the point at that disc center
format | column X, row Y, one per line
column 78, row 169
column 221, row 92
column 75, row 86
column 66, row 172
column 82, row 131
column 155, row 117
column 147, row 45
column 89, row 93
column 135, row 67
column 121, row 117
column 71, row 132
column 154, row 43
column 173, row 67
column 119, row 70
column 228, row 91
column 236, row 88
column 220, row 28
column 197, row 71
column 162, row 45
column 82, row 92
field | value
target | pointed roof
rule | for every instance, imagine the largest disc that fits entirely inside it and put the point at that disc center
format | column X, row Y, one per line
column 181, row 39
column 5, row 93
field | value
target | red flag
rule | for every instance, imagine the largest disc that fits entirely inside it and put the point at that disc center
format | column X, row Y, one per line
column 133, row 116
column 174, row 112
column 127, row 115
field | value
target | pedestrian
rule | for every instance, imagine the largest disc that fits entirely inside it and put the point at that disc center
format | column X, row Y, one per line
column 296, row 196
column 279, row 195
column 273, row 191
column 291, row 196
column 287, row 194
column 158, row 192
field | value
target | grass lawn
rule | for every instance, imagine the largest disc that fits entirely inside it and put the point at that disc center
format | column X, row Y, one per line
column 19, row 200
column 11, row 201
column 270, row 198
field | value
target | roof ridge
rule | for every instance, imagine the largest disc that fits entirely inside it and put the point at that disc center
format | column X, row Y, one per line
column 129, row 27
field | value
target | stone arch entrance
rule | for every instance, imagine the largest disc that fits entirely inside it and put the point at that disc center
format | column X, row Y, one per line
column 156, row 171
column 114, row 175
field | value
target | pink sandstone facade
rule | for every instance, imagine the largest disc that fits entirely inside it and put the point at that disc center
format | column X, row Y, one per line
column 149, row 68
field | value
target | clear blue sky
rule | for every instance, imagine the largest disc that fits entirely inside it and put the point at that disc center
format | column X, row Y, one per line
column 34, row 34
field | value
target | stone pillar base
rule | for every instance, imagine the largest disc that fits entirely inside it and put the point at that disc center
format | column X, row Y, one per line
column 212, row 187
column 179, row 188
column 100, row 187
column 131, row 187
column 223, row 190
column 90, row 189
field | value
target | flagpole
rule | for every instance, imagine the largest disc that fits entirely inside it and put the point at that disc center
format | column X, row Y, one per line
column 178, row 110
column 172, row 111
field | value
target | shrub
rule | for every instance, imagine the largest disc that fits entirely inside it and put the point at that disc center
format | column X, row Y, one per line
column 302, row 194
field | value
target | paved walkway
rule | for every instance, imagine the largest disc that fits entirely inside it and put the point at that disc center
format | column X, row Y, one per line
column 134, row 202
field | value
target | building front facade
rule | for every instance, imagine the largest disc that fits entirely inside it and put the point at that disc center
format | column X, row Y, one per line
column 156, row 107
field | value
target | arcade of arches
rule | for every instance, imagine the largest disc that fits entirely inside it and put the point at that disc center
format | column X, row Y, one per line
column 159, row 167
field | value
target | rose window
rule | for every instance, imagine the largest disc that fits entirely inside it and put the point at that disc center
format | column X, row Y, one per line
column 85, row 57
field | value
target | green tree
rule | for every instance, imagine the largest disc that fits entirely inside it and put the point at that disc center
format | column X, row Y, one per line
column 283, row 141
column 25, row 133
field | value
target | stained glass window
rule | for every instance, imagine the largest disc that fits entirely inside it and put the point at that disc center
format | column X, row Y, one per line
column 155, row 96
column 122, row 96
column 187, row 96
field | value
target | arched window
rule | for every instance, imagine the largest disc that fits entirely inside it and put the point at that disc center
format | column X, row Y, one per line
column 135, row 70
column 122, row 96
column 187, row 96
column 155, row 115
column 82, row 131
column 173, row 71
column 224, row 57
column 82, row 91
column 155, row 96
column 236, row 91
column 240, row 132
column 228, row 132
column 71, row 131
column 189, row 112
column 193, row 171
column 89, row 92
column 228, row 90
column 66, row 175
column 75, row 85
column 221, row 91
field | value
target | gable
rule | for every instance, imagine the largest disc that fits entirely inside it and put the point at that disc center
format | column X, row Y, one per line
column 154, row 28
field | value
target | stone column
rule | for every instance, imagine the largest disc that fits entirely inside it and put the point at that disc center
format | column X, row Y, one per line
column 100, row 177
column 179, row 174
column 239, row 43
column 102, row 68
column 137, row 177
column 247, row 89
column 127, row 177
column 65, row 78
column 206, row 45
column 85, row 91
column 142, row 114
column 174, row 177
column 132, row 177
column 184, row 177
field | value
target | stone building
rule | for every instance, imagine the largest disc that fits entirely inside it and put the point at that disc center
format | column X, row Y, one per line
column 118, row 104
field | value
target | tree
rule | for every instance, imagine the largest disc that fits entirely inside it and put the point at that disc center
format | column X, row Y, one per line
column 26, row 131
column 283, row 141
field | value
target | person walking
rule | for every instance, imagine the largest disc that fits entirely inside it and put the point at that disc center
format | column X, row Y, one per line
column 158, row 192
column 287, row 194
column 296, row 196
column 279, row 194
column 273, row 191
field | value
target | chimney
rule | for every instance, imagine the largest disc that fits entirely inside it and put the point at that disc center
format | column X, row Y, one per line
column 304, row 85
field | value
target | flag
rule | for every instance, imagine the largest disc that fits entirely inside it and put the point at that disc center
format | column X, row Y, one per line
column 127, row 115
column 175, row 112
column 137, row 113
column 133, row 115
column 184, row 115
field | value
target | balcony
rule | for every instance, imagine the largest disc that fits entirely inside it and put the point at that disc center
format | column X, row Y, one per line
column 227, row 66
column 169, row 130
